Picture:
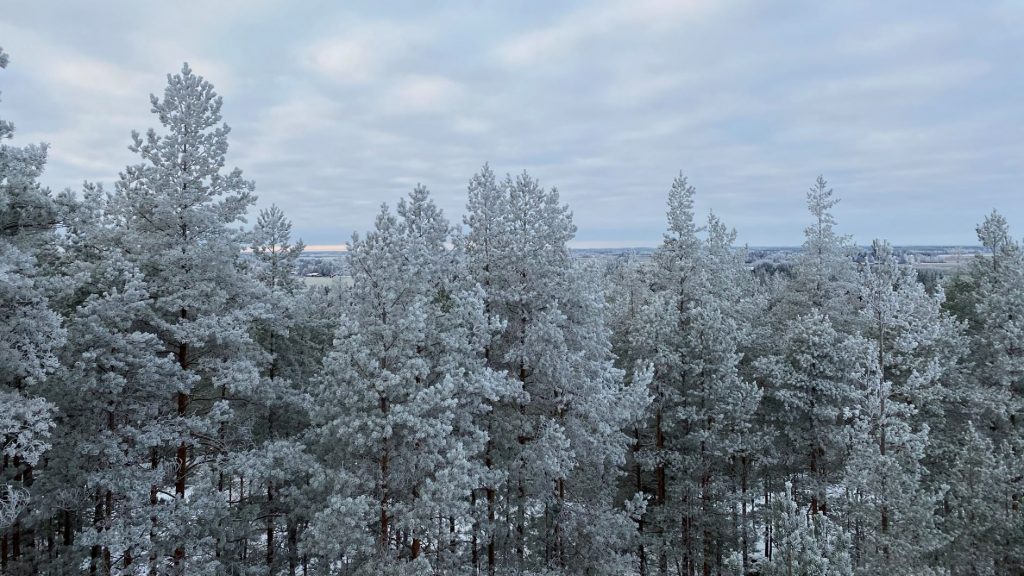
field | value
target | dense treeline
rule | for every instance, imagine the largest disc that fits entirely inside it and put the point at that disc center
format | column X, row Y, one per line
column 175, row 401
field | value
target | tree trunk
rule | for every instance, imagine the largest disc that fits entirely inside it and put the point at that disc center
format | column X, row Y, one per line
column 293, row 546
column 474, row 554
column 521, row 487
column 641, row 553
column 744, row 544
column 385, row 464
column 154, row 462
column 181, row 455
column 490, row 530
column 767, row 525
column 97, row 524
column 660, row 496
column 270, row 529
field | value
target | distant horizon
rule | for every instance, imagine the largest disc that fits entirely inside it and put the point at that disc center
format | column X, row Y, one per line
column 573, row 246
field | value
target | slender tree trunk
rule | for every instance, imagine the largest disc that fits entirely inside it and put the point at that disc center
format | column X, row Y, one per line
column 97, row 524
column 490, row 529
column 474, row 554
column 744, row 543
column 705, row 513
column 767, row 524
column 521, row 487
column 452, row 541
column 270, row 529
column 559, row 540
column 385, row 463
column 68, row 526
column 154, row 462
column 488, row 461
column 521, row 522
column 293, row 546
column 661, row 493
column 108, row 504
column 16, row 541
column 641, row 553
column 686, row 529
column 181, row 456
column 881, row 419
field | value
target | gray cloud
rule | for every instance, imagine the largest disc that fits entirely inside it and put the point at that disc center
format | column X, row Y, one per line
column 910, row 110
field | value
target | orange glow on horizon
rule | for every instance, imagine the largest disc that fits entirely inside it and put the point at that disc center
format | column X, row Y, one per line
column 326, row 248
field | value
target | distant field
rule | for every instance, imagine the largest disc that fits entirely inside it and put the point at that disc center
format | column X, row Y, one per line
column 944, row 267
column 344, row 281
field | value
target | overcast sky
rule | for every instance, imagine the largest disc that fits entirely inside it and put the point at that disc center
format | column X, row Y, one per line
column 912, row 110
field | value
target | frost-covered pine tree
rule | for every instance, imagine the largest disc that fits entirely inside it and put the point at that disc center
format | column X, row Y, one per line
column 980, row 514
column 400, row 398
column 990, row 298
column 549, row 500
column 101, row 481
column 275, row 253
column 805, row 545
column 628, row 294
column 915, row 408
column 272, row 463
column 998, row 326
column 812, row 396
column 811, row 363
column 177, row 213
column 702, row 418
column 30, row 334
column 825, row 276
column 677, row 265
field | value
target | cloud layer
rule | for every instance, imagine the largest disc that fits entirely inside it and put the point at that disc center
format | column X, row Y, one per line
column 912, row 110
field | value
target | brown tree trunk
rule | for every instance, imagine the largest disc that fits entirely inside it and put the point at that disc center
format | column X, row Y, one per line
column 181, row 455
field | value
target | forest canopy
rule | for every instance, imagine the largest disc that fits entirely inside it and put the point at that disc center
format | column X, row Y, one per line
column 175, row 400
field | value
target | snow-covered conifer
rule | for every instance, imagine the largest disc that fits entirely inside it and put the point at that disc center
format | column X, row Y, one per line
column 30, row 334
column 700, row 438
column 548, row 502
column 401, row 392
column 177, row 212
